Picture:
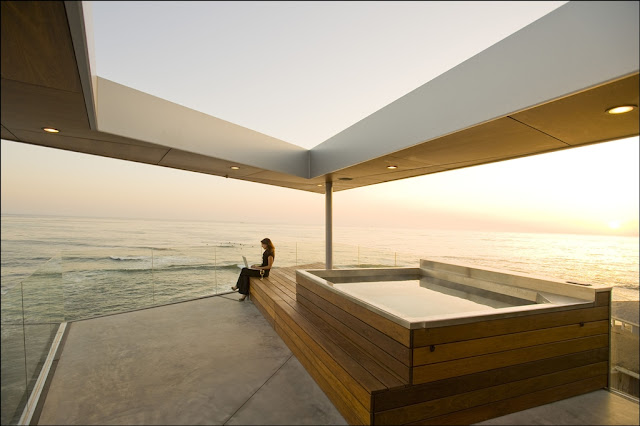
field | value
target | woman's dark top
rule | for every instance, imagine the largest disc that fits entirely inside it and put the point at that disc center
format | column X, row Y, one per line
column 265, row 257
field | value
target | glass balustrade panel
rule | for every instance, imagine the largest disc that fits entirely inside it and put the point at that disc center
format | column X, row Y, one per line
column 106, row 281
column 14, row 366
column 185, row 273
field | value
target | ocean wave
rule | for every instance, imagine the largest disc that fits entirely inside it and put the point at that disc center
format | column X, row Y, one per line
column 157, row 269
column 129, row 258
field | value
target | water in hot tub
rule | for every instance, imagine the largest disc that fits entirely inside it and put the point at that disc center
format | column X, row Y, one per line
column 416, row 299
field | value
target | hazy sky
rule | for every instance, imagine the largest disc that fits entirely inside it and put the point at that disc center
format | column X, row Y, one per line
column 302, row 72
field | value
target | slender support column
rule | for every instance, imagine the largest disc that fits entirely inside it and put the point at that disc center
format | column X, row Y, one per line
column 328, row 225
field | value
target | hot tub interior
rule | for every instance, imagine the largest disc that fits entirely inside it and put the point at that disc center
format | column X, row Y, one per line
column 417, row 298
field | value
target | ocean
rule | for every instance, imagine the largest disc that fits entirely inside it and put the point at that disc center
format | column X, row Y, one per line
column 57, row 269
column 94, row 253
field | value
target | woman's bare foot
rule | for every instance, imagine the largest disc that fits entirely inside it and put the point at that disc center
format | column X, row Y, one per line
column 234, row 288
column 242, row 298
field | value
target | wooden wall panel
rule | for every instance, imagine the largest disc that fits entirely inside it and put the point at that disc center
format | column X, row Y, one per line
column 434, row 336
column 396, row 349
column 512, row 405
column 603, row 298
column 385, row 376
column 359, row 382
column 394, row 398
column 463, row 401
column 443, row 370
column 386, row 326
column 469, row 348
column 343, row 400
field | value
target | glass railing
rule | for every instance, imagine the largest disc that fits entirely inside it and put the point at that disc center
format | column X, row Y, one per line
column 31, row 314
column 87, row 284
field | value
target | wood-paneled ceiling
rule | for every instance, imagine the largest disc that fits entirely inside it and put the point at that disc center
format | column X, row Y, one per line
column 41, row 86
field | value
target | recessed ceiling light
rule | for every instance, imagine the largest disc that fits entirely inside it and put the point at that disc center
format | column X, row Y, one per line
column 621, row 109
column 50, row 130
column 320, row 184
column 235, row 168
column 392, row 167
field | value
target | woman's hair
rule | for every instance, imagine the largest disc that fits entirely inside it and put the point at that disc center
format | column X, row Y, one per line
column 269, row 244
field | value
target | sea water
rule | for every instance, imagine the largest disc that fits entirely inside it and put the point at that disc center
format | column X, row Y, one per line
column 106, row 250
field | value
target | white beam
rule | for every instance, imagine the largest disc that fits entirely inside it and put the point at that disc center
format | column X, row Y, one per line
column 577, row 46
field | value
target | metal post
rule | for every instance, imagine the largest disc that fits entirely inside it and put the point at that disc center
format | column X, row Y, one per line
column 328, row 225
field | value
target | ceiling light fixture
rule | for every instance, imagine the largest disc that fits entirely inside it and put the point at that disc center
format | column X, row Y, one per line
column 621, row 109
column 50, row 130
column 392, row 167
column 235, row 168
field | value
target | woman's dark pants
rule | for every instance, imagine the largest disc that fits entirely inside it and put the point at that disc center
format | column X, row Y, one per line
column 243, row 279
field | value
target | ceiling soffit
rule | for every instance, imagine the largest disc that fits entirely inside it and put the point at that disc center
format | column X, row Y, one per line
column 575, row 120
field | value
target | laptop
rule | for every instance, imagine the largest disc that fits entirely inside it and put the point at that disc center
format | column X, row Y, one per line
column 246, row 264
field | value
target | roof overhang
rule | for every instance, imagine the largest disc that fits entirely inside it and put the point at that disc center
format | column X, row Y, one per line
column 544, row 88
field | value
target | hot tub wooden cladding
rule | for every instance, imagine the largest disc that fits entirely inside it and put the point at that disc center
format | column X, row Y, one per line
column 378, row 371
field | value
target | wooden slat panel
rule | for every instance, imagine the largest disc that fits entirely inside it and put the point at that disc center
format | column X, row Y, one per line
column 278, row 283
column 344, row 401
column 351, row 374
column 266, row 301
column 263, row 307
column 398, row 368
column 271, row 320
column 360, row 356
column 603, row 298
column 388, row 327
column 275, row 292
column 36, row 45
column 394, row 398
column 438, row 407
column 399, row 351
column 454, row 333
column 269, row 295
column 443, row 370
column 469, row 348
column 285, row 279
column 501, row 408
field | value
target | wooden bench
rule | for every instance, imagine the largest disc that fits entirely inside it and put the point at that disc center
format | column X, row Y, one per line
column 346, row 373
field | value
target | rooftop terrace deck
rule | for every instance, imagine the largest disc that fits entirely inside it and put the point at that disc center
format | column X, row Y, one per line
column 217, row 361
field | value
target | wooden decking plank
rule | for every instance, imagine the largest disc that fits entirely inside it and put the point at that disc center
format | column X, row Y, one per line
column 454, row 333
column 396, row 349
column 415, row 394
column 346, row 366
column 344, row 401
column 383, row 375
column 388, row 327
column 469, row 348
column 443, row 370
column 463, row 401
column 376, row 370
column 512, row 405
column 398, row 369
column 267, row 312
column 287, row 278
column 279, row 283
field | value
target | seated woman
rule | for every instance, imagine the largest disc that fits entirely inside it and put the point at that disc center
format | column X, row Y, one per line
column 269, row 254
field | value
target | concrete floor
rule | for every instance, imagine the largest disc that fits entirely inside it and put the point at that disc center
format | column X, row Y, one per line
column 218, row 361
column 595, row 408
column 208, row 361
